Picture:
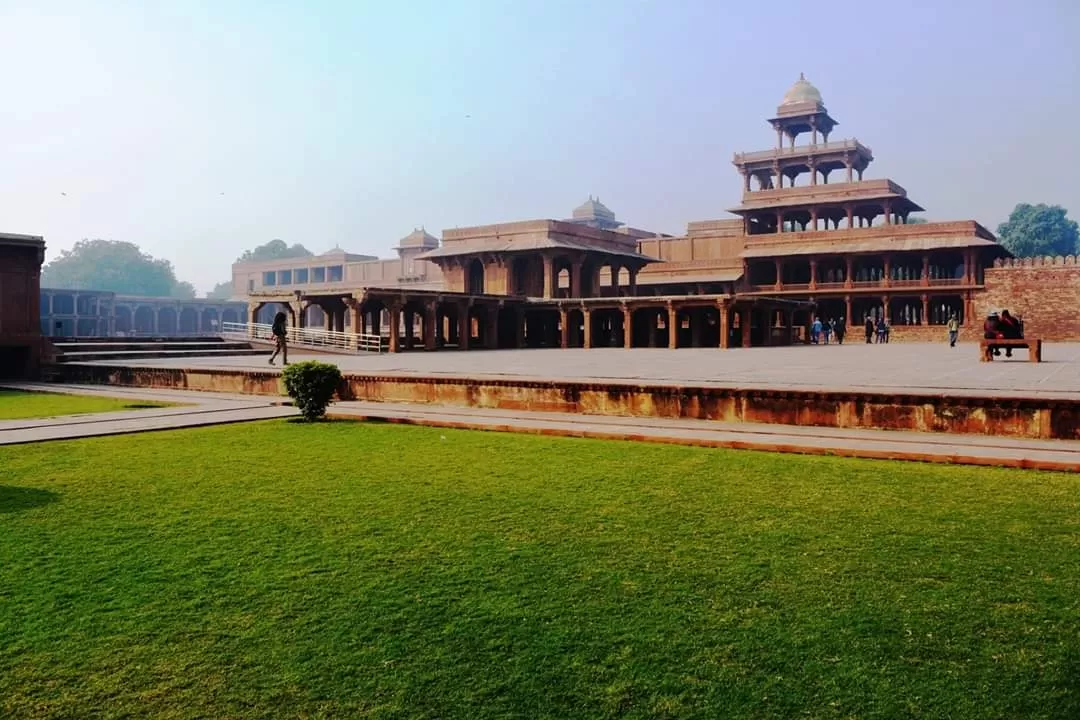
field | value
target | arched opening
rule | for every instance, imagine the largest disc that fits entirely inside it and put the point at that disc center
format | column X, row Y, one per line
column 189, row 321
column 167, row 321
column 475, row 278
column 230, row 315
column 144, row 320
column 123, row 319
column 210, row 321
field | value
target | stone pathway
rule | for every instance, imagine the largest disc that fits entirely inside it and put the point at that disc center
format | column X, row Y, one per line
column 893, row 368
column 880, row 444
column 200, row 409
column 218, row 408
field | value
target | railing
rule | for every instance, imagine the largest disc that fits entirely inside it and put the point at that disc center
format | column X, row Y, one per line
column 306, row 337
column 800, row 150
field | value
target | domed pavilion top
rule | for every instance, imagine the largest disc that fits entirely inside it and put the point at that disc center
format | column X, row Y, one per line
column 802, row 92
column 419, row 238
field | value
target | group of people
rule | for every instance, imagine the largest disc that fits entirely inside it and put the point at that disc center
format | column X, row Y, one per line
column 876, row 330
column 1002, row 327
column 822, row 332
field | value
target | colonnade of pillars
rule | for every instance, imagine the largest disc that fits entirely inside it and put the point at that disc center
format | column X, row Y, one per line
column 885, row 274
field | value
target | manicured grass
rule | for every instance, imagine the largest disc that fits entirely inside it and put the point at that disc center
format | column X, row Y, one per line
column 18, row 405
column 344, row 570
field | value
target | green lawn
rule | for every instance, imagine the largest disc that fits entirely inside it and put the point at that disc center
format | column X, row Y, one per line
column 18, row 405
column 343, row 570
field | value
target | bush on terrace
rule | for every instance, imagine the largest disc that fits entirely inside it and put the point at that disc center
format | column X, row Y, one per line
column 311, row 385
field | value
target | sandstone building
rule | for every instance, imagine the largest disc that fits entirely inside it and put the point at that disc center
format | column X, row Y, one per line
column 20, row 331
column 811, row 236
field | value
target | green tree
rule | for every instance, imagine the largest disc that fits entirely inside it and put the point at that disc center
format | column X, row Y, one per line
column 114, row 266
column 274, row 250
column 1034, row 230
column 221, row 291
column 916, row 221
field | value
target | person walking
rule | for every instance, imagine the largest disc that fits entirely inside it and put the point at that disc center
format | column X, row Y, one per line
column 280, row 330
column 869, row 329
column 954, row 330
column 840, row 330
column 815, row 331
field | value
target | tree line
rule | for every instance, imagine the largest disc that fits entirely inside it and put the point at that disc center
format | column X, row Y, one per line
column 123, row 268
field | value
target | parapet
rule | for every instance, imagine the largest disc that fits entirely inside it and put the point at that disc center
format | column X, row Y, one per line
column 1040, row 261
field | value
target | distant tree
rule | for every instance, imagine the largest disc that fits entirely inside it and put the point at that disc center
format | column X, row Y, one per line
column 274, row 250
column 1034, row 230
column 221, row 291
column 183, row 290
column 114, row 266
column 916, row 221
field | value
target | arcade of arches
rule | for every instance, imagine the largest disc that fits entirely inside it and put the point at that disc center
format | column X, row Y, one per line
column 426, row 320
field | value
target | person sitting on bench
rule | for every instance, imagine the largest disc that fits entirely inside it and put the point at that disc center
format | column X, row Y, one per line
column 1009, row 329
column 991, row 330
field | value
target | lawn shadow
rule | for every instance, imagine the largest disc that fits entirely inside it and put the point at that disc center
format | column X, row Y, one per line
column 17, row 499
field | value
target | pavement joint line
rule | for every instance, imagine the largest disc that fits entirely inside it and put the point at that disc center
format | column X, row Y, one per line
column 101, row 418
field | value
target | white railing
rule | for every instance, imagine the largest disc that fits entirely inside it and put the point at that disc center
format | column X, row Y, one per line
column 306, row 337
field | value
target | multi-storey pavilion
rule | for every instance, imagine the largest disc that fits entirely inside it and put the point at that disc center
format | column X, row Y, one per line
column 849, row 249
column 849, row 245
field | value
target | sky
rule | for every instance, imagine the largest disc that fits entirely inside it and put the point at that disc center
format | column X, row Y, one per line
column 198, row 130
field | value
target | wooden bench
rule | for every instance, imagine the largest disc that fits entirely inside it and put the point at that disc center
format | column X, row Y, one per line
column 1033, row 345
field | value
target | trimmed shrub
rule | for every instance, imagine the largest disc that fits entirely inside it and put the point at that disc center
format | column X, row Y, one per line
column 311, row 385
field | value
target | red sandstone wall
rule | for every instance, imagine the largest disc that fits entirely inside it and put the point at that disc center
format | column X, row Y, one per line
column 1044, row 291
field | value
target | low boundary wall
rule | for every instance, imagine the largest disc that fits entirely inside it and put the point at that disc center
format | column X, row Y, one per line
column 1014, row 417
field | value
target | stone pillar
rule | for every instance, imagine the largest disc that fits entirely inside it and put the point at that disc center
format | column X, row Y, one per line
column 673, row 327
column 410, row 328
column 885, row 308
column 847, row 311
column 924, row 319
column 431, row 326
column 779, row 175
column 850, row 214
column 564, row 328
column 887, row 279
column 519, row 328
column 395, row 328
column 725, row 329
column 575, row 278
column 779, row 274
column 491, row 328
column 464, row 327
column 813, row 274
column 587, row 324
column 849, row 271
column 633, row 281
column 616, row 271
column 925, row 279
column 969, row 309
column 746, row 181
column 779, row 221
column 813, row 166
column 628, row 328
column 550, row 280
column 847, row 166
column 888, row 213
column 813, row 218
column 697, row 319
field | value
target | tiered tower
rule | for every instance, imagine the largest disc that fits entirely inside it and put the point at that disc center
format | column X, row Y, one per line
column 847, row 245
column 787, row 188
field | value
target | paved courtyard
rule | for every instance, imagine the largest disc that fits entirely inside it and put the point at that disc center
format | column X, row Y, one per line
column 897, row 367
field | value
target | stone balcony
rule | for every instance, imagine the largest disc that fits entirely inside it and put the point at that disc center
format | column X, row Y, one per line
column 803, row 151
column 821, row 193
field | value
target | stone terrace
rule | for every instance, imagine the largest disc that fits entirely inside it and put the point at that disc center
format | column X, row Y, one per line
column 911, row 368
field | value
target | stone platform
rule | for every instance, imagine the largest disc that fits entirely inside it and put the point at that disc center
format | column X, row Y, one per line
column 898, row 387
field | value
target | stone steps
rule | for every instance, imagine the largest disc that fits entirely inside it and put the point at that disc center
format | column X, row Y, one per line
column 131, row 346
column 127, row 349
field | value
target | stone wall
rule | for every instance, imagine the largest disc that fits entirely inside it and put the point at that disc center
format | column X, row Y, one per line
column 1045, row 291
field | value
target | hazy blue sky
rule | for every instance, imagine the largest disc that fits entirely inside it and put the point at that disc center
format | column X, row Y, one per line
column 198, row 130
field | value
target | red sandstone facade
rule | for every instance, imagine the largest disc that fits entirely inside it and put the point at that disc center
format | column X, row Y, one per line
column 20, row 281
column 800, row 246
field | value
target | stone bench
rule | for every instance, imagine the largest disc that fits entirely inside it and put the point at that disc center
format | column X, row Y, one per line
column 1033, row 345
